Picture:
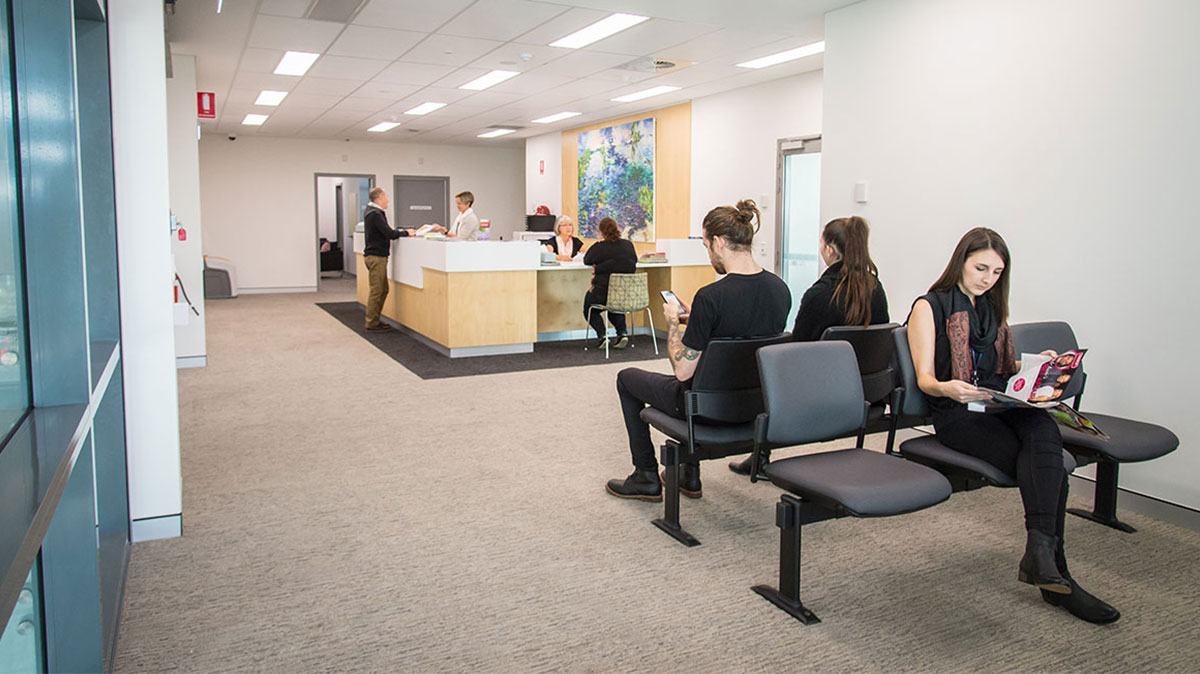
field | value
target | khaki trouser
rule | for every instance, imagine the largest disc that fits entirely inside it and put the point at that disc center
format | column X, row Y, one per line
column 378, row 282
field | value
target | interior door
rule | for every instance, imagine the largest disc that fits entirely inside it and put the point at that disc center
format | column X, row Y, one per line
column 421, row 200
column 800, row 222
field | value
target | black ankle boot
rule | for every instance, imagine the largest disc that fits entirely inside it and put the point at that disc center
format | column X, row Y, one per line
column 689, row 483
column 1082, row 604
column 744, row 466
column 641, row 484
column 1038, row 566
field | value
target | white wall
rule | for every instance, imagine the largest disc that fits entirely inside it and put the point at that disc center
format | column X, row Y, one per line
column 543, row 173
column 184, row 157
column 140, row 165
column 1069, row 126
column 259, row 205
column 735, row 144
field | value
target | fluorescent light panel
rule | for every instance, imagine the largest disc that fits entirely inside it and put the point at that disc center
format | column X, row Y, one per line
column 254, row 120
column 296, row 63
column 785, row 56
column 497, row 132
column 268, row 97
column 599, row 30
column 425, row 108
column 491, row 79
column 384, row 126
column 550, row 119
column 647, row 93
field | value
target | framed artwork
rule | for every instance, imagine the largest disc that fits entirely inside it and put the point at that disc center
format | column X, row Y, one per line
column 616, row 179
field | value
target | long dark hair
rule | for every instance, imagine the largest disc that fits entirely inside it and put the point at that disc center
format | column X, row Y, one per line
column 977, row 239
column 737, row 224
column 848, row 236
column 609, row 229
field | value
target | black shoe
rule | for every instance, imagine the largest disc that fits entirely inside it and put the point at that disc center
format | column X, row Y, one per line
column 600, row 344
column 1082, row 604
column 689, row 484
column 1038, row 566
column 379, row 327
column 622, row 342
column 641, row 484
column 744, row 466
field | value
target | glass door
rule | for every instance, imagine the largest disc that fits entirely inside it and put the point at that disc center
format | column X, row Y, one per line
column 799, row 222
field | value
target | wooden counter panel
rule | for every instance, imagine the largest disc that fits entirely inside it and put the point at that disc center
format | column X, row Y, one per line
column 490, row 308
column 560, row 299
column 422, row 309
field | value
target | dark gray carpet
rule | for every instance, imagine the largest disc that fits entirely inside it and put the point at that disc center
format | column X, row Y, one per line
column 429, row 364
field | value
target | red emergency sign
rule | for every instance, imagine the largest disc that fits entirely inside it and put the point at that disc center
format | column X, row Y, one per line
column 206, row 105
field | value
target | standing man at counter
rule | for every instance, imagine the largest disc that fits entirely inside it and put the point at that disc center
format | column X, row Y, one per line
column 466, row 225
column 377, row 246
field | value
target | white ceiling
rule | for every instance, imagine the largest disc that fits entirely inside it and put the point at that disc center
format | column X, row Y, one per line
column 396, row 54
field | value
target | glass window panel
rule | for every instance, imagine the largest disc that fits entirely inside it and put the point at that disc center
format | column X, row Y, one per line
column 14, row 373
column 801, row 224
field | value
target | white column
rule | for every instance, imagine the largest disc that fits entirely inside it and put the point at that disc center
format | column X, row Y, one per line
column 184, row 155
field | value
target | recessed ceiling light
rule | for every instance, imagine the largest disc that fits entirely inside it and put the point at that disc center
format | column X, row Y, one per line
column 497, row 132
column 785, row 56
column 647, row 93
column 383, row 126
column 268, row 97
column 425, row 108
column 296, row 63
column 490, row 79
column 550, row 119
column 599, row 30
column 254, row 120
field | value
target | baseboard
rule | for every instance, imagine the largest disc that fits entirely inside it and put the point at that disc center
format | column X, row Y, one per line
column 154, row 528
column 265, row 291
column 1132, row 501
column 191, row 361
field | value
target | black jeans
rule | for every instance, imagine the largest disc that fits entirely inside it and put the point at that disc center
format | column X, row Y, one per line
column 638, row 388
column 597, row 321
column 1021, row 442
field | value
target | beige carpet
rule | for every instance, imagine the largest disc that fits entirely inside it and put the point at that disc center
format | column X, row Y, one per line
column 340, row 514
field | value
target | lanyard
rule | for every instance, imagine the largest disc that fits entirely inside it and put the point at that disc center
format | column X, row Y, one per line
column 975, row 356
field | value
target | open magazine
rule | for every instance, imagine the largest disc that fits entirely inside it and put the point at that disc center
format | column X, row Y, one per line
column 1041, row 383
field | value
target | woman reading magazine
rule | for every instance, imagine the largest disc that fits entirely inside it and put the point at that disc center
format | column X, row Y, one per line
column 959, row 337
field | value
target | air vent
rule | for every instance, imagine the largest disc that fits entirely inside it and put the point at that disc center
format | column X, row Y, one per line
column 654, row 64
column 340, row 11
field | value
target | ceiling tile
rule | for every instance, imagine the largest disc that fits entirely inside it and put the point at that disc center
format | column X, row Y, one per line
column 562, row 25
column 376, row 43
column 256, row 60
column 292, row 8
column 418, row 15
column 716, row 46
column 277, row 32
column 440, row 95
column 296, row 100
column 517, row 56
column 500, row 19
column 385, row 90
column 651, row 36
column 413, row 73
column 363, row 104
column 582, row 64
column 260, row 81
column 346, row 68
column 316, row 85
column 447, row 50
column 529, row 84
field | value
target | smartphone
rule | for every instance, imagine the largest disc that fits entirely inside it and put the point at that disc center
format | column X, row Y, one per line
column 669, row 296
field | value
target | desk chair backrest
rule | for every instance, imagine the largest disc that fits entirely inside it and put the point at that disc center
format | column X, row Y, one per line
column 1037, row 337
column 627, row 292
column 811, row 391
column 912, row 402
column 726, row 388
column 875, row 352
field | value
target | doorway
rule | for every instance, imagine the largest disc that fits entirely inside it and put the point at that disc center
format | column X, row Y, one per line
column 421, row 200
column 340, row 199
column 798, row 220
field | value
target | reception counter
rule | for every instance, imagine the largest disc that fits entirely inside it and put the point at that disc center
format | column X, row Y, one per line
column 476, row 298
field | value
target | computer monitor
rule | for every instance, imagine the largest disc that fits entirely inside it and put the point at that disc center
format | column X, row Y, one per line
column 540, row 223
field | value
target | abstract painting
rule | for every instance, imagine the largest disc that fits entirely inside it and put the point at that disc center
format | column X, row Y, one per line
column 616, row 179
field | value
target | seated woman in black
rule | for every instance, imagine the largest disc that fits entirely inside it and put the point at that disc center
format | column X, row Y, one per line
column 610, row 255
column 848, row 293
column 959, row 338
column 564, row 244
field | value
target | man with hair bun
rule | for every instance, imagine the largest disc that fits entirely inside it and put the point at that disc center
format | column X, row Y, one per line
column 748, row 302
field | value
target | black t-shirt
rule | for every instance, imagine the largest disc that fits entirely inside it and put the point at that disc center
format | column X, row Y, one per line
column 738, row 306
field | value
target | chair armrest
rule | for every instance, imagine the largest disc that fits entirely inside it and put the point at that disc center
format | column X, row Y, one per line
column 760, row 441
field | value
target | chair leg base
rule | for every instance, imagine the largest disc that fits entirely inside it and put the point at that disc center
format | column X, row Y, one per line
column 675, row 531
column 1101, row 519
column 789, row 606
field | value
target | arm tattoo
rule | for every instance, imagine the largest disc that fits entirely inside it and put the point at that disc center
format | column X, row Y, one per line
column 676, row 350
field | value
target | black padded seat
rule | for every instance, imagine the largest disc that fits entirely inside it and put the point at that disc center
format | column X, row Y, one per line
column 929, row 451
column 718, row 439
column 1130, row 441
column 861, row 482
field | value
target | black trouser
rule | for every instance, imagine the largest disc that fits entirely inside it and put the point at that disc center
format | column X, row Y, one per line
column 638, row 388
column 596, row 320
column 1021, row 442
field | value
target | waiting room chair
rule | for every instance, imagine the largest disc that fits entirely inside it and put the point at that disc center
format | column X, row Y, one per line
column 875, row 353
column 627, row 294
column 812, row 393
column 720, row 410
column 1129, row 441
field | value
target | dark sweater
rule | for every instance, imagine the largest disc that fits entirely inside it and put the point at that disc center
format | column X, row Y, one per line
column 378, row 233
column 818, row 311
column 609, row 257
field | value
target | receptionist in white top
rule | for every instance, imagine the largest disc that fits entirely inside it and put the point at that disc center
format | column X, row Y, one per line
column 564, row 244
column 466, row 225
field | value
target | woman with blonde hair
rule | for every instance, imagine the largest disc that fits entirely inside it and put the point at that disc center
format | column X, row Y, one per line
column 564, row 244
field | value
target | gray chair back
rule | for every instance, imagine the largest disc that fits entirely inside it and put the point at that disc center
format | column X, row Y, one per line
column 875, row 352
column 1037, row 337
column 812, row 391
column 726, row 388
column 912, row 402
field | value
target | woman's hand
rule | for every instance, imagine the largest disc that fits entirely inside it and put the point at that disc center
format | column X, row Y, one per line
column 963, row 392
column 1050, row 352
column 562, row 258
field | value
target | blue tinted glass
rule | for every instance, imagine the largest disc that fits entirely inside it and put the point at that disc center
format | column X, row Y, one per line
column 14, row 373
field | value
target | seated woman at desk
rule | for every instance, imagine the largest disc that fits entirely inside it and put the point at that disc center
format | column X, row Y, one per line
column 610, row 255
column 564, row 244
